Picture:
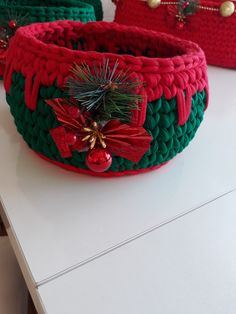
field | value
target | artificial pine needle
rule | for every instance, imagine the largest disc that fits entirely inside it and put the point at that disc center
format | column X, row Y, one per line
column 104, row 91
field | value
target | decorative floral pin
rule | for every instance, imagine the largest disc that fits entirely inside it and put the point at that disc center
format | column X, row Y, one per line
column 96, row 116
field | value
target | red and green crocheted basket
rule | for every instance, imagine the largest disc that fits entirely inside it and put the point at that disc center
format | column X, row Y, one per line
column 173, row 90
column 22, row 12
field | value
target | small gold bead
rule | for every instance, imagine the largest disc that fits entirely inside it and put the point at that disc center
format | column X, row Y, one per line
column 153, row 3
column 227, row 8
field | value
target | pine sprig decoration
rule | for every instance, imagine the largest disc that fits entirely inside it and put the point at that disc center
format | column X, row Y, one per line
column 187, row 7
column 103, row 91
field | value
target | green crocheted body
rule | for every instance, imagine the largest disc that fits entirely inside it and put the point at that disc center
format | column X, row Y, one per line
column 169, row 138
column 97, row 4
column 50, row 10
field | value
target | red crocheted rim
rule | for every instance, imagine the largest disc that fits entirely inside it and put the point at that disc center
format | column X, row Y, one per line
column 104, row 174
column 27, row 38
column 30, row 34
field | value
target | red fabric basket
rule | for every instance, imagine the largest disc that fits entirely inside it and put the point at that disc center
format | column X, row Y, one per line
column 215, row 33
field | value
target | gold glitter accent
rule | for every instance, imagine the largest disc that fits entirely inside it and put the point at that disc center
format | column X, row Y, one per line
column 94, row 136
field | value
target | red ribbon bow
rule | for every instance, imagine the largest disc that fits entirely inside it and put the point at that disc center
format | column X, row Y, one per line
column 121, row 139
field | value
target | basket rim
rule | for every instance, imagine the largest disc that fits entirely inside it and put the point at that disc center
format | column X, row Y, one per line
column 193, row 53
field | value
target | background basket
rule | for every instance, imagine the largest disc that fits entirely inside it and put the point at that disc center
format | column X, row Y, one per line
column 50, row 10
column 173, row 71
column 213, row 32
column 31, row 11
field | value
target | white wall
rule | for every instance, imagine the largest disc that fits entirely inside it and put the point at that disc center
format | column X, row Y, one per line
column 108, row 8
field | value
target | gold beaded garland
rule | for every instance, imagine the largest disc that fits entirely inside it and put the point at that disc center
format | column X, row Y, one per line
column 227, row 8
column 153, row 3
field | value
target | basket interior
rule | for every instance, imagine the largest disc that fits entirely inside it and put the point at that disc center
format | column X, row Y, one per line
column 114, row 40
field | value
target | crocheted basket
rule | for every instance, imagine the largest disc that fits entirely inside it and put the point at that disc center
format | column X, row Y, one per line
column 49, row 10
column 31, row 11
column 210, row 23
column 173, row 73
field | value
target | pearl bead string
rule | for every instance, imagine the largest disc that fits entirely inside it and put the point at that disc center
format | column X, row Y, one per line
column 202, row 7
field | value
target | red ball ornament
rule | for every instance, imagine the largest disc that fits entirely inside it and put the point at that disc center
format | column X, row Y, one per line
column 185, row 5
column 180, row 25
column 98, row 160
column 71, row 138
column 12, row 24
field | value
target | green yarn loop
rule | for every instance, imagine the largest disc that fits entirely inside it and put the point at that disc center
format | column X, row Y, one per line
column 97, row 4
column 161, row 122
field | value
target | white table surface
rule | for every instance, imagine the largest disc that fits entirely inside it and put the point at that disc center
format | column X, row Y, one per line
column 59, row 221
column 185, row 267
